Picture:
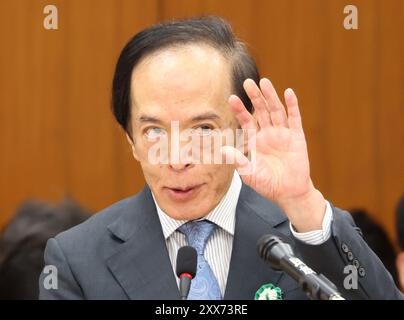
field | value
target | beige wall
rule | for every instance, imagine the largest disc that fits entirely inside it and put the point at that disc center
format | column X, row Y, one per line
column 57, row 135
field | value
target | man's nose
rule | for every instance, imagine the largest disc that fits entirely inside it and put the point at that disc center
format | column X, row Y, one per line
column 180, row 157
column 180, row 166
column 181, row 162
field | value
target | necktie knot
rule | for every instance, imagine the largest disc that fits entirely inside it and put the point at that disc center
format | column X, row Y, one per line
column 198, row 233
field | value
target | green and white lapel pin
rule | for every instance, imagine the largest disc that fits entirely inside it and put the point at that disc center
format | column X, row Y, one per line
column 268, row 292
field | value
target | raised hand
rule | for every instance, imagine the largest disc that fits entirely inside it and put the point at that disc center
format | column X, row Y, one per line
column 281, row 172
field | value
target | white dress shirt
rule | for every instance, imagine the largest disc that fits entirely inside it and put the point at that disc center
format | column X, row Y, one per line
column 219, row 246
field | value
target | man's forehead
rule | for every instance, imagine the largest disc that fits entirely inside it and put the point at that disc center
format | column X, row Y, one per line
column 187, row 69
column 180, row 88
column 198, row 51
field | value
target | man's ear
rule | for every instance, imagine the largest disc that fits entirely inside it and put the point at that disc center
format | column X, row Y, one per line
column 132, row 145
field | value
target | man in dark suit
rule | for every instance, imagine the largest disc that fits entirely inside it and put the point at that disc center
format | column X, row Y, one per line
column 194, row 76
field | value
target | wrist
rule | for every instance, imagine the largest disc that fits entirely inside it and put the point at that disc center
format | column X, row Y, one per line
column 306, row 211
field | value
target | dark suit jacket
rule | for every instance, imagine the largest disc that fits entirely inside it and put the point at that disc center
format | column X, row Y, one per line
column 120, row 253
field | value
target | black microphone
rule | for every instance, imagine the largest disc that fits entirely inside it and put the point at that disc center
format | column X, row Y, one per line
column 186, row 268
column 280, row 255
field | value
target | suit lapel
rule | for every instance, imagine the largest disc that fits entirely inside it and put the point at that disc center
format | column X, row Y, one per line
column 248, row 272
column 141, row 263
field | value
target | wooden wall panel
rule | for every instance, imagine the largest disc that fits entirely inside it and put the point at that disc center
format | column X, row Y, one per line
column 389, row 109
column 57, row 135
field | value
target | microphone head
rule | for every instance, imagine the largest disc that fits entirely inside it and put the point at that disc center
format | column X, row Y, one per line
column 273, row 249
column 187, row 258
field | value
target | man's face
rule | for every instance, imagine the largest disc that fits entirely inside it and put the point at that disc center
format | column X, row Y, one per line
column 189, row 84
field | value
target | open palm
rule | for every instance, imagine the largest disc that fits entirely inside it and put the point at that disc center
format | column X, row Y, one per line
column 282, row 169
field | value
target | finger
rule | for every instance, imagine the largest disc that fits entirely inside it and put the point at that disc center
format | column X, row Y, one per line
column 246, row 120
column 259, row 103
column 294, row 118
column 275, row 106
column 241, row 162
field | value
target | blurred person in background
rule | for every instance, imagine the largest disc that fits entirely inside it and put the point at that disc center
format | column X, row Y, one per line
column 23, row 240
column 377, row 239
column 400, row 237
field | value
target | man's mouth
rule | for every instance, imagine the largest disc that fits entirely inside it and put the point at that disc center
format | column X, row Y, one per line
column 183, row 193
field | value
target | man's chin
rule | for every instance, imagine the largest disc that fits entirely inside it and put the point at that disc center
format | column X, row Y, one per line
column 187, row 211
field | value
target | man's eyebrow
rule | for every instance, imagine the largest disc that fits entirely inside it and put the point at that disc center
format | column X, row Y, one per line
column 144, row 118
column 206, row 116
column 200, row 117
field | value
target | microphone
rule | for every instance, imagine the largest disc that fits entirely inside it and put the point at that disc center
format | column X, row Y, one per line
column 280, row 255
column 186, row 268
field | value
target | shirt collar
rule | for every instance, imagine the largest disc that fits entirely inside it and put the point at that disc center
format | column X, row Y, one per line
column 223, row 215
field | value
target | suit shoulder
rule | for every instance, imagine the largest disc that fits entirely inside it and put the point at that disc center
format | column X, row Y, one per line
column 95, row 227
